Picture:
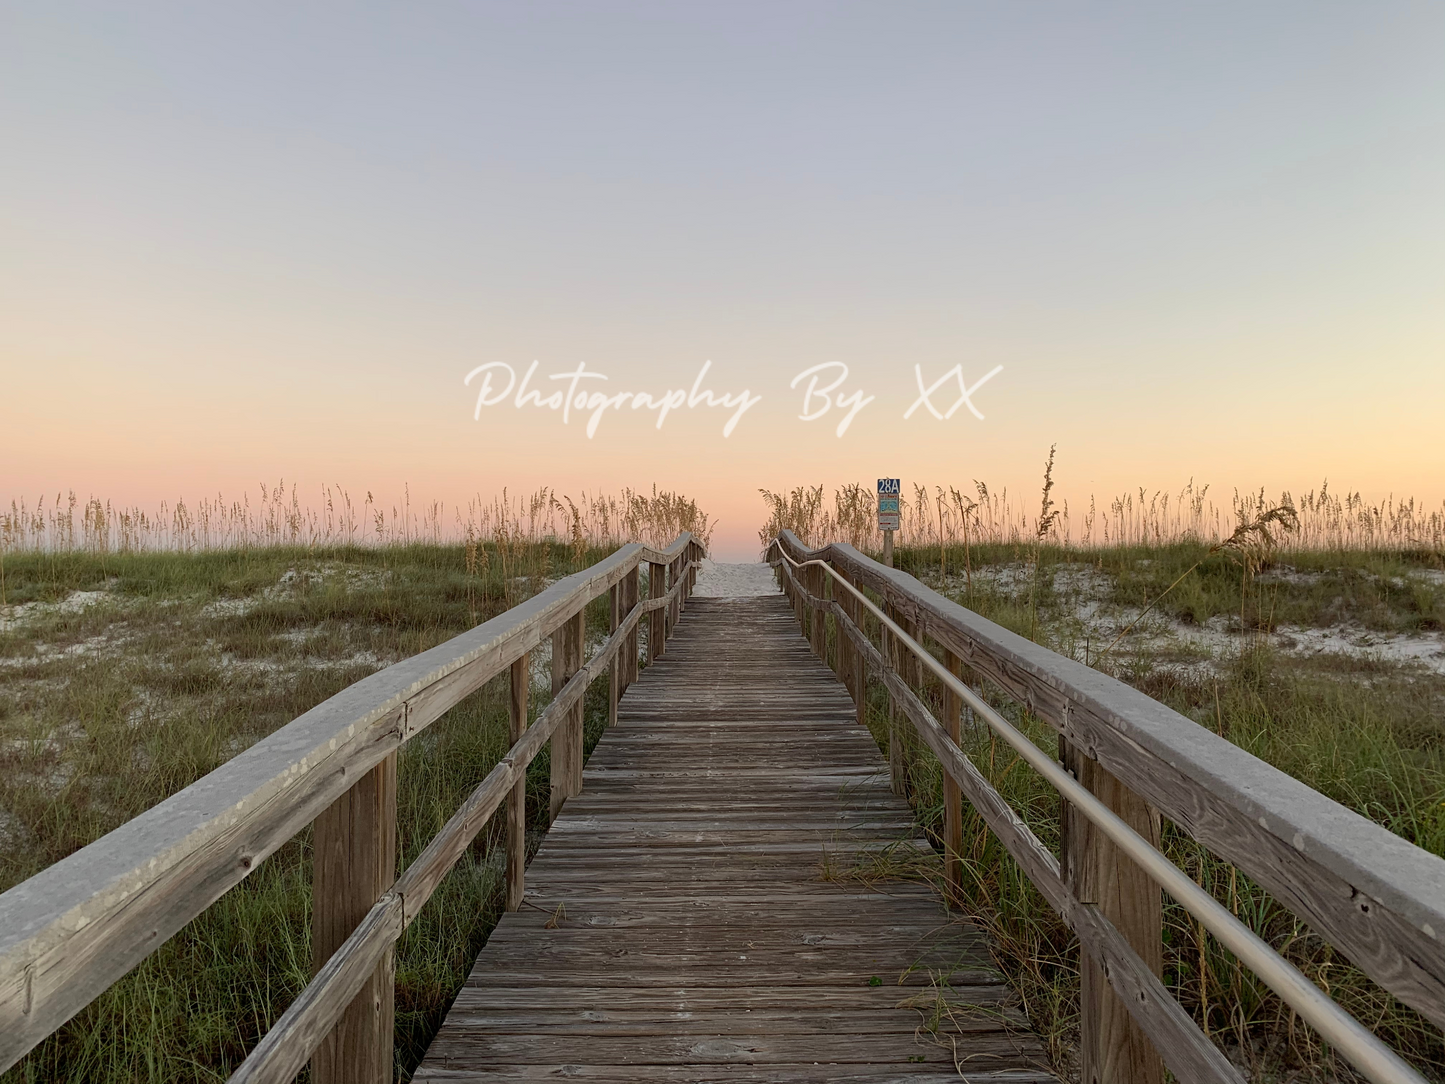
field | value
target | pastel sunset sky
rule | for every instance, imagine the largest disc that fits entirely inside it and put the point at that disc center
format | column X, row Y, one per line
column 245, row 242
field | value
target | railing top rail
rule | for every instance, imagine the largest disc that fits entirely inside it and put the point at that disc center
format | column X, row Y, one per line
column 1360, row 1046
column 81, row 923
column 669, row 553
column 1370, row 858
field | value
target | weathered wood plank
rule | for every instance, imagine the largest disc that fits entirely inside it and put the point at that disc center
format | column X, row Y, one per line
column 370, row 943
column 707, row 869
column 283, row 1050
column 1134, row 982
column 952, row 795
column 354, row 862
column 1377, row 898
column 656, row 631
column 70, row 931
column 1113, row 1047
column 567, row 644
column 517, row 804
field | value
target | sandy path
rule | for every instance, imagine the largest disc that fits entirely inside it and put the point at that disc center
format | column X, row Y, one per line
column 735, row 581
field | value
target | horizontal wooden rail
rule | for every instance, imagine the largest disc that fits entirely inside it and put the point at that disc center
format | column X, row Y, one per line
column 73, row 929
column 1185, row 1049
column 1160, row 1019
column 1376, row 897
column 284, row 1050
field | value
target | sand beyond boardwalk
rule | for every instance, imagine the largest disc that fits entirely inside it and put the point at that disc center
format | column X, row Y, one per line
column 735, row 581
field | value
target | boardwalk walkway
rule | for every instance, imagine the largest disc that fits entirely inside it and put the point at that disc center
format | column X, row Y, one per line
column 690, row 916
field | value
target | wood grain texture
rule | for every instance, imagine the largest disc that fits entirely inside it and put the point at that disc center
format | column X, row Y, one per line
column 952, row 796
column 1373, row 895
column 1186, row 1050
column 818, row 633
column 354, row 862
column 517, row 803
column 614, row 685
column 678, row 924
column 567, row 739
column 1113, row 1048
column 656, row 590
column 73, row 929
column 283, row 1050
column 628, row 653
column 319, row 1006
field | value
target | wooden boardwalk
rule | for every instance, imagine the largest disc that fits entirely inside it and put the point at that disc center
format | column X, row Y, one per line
column 695, row 914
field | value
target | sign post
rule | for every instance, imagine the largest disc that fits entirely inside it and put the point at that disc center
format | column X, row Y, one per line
column 888, row 492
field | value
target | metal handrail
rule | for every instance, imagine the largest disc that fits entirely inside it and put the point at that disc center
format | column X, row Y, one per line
column 1341, row 1030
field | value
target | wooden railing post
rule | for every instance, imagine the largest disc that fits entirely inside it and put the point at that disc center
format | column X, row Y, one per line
column 835, row 650
column 353, row 863
column 897, row 760
column 517, row 803
column 614, row 689
column 631, row 595
column 684, row 559
column 1112, row 1048
column 855, row 674
column 656, row 621
column 567, row 740
column 910, row 669
column 819, row 638
column 952, row 795
column 672, row 581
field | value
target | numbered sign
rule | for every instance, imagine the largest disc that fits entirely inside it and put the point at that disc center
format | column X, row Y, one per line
column 888, row 491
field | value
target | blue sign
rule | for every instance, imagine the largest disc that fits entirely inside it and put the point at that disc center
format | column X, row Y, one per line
column 889, row 487
column 888, row 504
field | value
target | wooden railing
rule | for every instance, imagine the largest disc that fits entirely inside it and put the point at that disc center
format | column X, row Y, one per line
column 1124, row 759
column 70, row 931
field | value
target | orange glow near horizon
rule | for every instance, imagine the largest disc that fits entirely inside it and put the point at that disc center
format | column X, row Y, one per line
column 209, row 280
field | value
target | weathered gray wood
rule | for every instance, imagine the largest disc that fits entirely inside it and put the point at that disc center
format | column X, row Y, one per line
column 819, row 634
column 656, row 626
column 1112, row 1045
column 907, row 667
column 1041, row 867
column 1186, row 1050
column 567, row 646
column 70, row 931
column 317, row 1009
column 627, row 656
column 517, row 805
column 1377, row 898
column 283, row 1050
column 354, row 863
column 952, row 795
column 679, row 923
column 897, row 757
column 614, row 684
column 857, row 670
column 811, row 1072
column 669, row 613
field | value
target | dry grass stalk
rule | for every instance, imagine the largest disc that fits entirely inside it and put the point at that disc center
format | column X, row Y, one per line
column 947, row 519
column 281, row 517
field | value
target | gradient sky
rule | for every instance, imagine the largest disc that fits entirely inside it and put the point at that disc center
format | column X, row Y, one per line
column 252, row 241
